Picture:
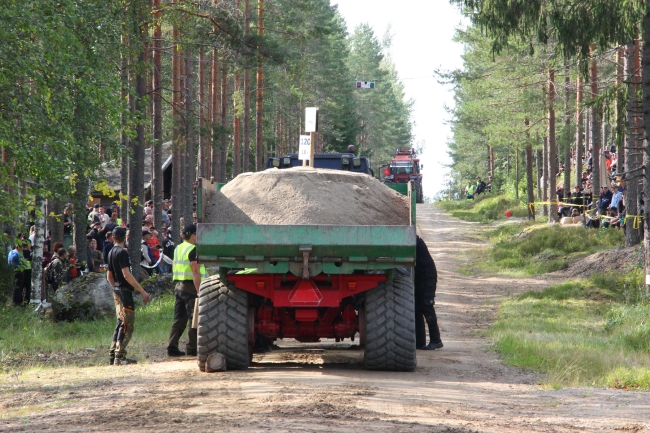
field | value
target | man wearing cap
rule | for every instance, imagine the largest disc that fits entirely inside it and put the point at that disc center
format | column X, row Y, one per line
column 187, row 276
column 92, row 216
column 605, row 199
column 120, row 277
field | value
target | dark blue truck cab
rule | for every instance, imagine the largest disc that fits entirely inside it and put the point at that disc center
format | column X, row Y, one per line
column 332, row 161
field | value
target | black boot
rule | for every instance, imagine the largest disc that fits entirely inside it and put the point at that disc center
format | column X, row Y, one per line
column 433, row 346
column 174, row 351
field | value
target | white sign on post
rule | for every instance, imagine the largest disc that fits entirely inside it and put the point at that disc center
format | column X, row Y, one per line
column 311, row 119
column 303, row 148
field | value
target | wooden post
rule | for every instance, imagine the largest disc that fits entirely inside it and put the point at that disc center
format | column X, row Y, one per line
column 312, row 141
column 259, row 98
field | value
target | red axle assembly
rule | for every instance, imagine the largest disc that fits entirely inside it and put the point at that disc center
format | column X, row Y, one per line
column 306, row 310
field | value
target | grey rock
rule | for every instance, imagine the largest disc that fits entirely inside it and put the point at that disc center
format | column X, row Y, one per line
column 86, row 297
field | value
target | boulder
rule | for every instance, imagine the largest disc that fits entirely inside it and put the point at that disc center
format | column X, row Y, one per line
column 86, row 297
column 90, row 296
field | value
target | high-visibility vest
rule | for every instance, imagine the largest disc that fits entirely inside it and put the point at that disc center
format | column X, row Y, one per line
column 182, row 269
column 204, row 273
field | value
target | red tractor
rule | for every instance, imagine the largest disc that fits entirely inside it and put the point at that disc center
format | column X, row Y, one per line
column 405, row 167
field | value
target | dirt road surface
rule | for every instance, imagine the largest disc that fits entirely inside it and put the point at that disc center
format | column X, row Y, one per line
column 323, row 387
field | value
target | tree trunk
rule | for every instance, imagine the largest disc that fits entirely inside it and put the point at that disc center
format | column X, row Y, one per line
column 176, row 137
column 223, row 145
column 189, row 175
column 156, row 148
column 595, row 134
column 37, row 249
column 216, row 106
column 619, row 111
column 140, row 142
column 552, row 157
column 645, row 71
column 516, row 173
column 508, row 164
column 203, row 142
column 579, row 129
column 259, row 99
column 247, row 95
column 124, row 138
column 633, row 145
column 492, row 161
column 80, row 222
column 545, row 175
column 567, row 134
column 539, row 163
column 236, row 146
column 529, row 172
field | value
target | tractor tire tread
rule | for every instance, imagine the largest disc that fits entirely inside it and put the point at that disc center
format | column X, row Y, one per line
column 390, row 326
column 223, row 324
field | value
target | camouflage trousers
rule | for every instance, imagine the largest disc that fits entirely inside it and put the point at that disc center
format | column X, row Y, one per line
column 125, row 312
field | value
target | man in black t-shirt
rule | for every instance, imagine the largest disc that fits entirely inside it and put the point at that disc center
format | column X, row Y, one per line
column 120, row 277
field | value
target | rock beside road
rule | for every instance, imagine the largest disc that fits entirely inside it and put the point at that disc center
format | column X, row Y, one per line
column 90, row 296
column 86, row 297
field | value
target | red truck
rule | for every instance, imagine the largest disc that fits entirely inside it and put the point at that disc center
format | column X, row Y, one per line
column 405, row 167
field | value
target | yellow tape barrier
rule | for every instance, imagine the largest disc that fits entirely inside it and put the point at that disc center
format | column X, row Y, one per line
column 636, row 219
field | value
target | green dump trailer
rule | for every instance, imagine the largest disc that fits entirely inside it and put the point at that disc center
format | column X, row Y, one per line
column 307, row 282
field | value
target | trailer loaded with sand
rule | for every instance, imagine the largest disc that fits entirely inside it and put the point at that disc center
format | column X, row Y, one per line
column 307, row 254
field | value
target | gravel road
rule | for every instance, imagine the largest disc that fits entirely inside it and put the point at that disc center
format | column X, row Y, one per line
column 323, row 387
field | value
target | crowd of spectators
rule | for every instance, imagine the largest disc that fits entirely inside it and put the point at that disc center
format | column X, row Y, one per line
column 63, row 263
column 592, row 207
column 478, row 187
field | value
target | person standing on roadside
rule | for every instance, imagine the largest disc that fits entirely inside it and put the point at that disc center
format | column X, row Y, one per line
column 120, row 277
column 15, row 264
column 187, row 276
column 426, row 278
column 108, row 246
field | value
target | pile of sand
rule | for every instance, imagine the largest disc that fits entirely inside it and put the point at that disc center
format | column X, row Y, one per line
column 620, row 259
column 303, row 195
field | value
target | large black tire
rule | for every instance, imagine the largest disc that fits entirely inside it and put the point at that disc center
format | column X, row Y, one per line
column 223, row 324
column 390, row 326
column 419, row 195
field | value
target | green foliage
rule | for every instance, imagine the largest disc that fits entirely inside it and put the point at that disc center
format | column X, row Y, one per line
column 30, row 340
column 548, row 248
column 573, row 24
column 578, row 333
column 485, row 208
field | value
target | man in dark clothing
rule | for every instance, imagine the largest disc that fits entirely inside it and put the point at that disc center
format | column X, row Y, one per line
column 605, row 199
column 96, row 233
column 108, row 245
column 120, row 277
column 426, row 278
column 55, row 272
column 167, row 243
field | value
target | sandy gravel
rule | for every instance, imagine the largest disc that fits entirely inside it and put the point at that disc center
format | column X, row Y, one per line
column 304, row 195
column 323, row 387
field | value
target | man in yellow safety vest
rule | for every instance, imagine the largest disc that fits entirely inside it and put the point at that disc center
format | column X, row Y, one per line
column 187, row 276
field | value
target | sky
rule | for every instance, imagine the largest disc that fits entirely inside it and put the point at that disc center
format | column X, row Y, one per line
column 422, row 42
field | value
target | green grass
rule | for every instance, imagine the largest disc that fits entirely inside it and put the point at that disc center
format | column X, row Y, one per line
column 592, row 332
column 484, row 208
column 531, row 249
column 27, row 340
